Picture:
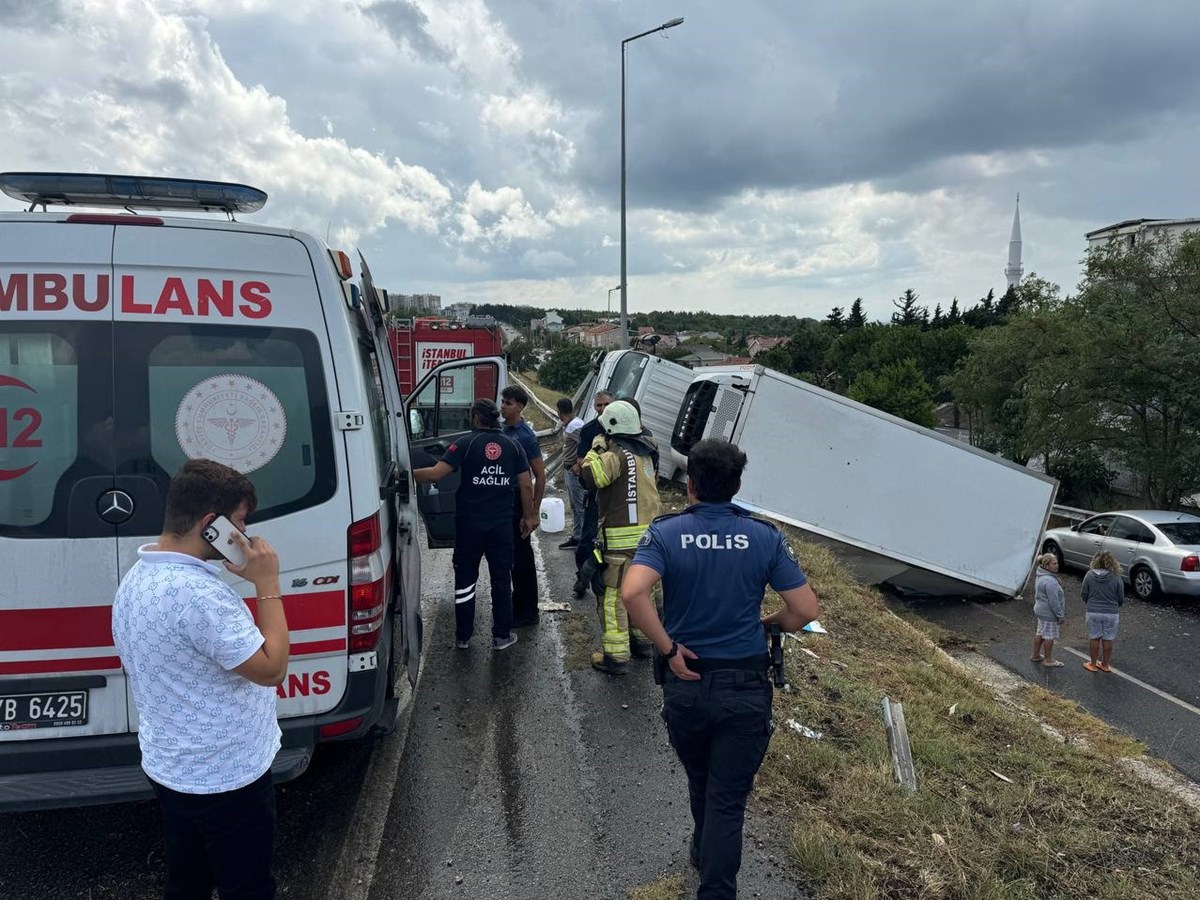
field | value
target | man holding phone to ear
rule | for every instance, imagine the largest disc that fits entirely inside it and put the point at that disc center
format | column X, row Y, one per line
column 203, row 678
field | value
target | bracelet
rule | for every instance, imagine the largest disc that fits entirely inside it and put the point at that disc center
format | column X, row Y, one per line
column 271, row 597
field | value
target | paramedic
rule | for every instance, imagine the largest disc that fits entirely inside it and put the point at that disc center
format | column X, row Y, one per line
column 715, row 561
column 495, row 475
column 203, row 678
column 513, row 400
column 619, row 468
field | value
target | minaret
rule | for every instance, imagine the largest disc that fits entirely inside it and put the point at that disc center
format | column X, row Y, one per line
column 1012, row 272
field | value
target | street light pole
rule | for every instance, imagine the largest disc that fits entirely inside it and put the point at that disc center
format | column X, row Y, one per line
column 624, row 293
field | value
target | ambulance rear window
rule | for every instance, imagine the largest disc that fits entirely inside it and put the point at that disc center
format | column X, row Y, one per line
column 86, row 408
column 38, row 427
column 253, row 399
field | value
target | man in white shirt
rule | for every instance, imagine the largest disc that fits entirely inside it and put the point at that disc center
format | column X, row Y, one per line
column 572, row 425
column 203, row 677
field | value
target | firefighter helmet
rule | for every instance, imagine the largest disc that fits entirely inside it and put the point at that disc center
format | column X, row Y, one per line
column 620, row 418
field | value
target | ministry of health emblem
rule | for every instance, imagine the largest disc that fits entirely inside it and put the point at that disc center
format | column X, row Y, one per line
column 232, row 419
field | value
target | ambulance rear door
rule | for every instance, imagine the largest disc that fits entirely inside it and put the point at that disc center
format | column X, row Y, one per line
column 60, row 504
column 222, row 352
column 438, row 413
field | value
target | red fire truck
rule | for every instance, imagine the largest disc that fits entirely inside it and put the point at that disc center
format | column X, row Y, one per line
column 420, row 344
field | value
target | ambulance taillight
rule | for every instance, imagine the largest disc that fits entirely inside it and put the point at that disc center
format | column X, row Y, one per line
column 368, row 571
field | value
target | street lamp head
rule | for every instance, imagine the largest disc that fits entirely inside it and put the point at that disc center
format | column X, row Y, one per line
column 673, row 23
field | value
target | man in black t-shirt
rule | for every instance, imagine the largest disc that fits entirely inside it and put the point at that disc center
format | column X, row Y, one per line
column 494, row 471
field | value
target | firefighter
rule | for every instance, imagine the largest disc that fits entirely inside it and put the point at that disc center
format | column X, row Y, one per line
column 619, row 468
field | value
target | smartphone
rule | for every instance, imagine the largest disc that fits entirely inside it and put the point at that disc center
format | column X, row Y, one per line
column 220, row 535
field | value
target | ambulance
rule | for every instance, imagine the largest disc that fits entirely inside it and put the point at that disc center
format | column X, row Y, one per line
column 143, row 324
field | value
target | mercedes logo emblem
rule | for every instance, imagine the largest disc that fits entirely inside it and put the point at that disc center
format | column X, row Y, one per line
column 115, row 507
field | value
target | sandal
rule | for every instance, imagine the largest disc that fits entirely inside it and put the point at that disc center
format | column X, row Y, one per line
column 1104, row 667
column 1035, row 659
column 1057, row 664
column 1091, row 667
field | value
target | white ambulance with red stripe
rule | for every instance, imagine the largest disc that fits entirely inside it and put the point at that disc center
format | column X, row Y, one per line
column 131, row 342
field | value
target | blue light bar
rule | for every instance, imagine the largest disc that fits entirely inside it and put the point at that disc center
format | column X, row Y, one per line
column 134, row 191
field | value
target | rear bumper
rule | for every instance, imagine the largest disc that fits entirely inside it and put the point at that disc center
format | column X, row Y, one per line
column 1186, row 584
column 112, row 784
column 90, row 771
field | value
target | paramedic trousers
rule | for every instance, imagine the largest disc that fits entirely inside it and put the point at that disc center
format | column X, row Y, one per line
column 474, row 541
column 219, row 840
column 524, row 577
column 720, row 727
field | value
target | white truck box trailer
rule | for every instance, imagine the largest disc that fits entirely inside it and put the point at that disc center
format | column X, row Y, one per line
column 904, row 505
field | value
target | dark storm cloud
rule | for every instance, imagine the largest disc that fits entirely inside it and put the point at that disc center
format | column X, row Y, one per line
column 406, row 24
column 31, row 15
column 781, row 94
column 168, row 93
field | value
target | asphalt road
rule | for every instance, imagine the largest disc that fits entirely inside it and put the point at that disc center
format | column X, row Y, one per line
column 513, row 776
column 1153, row 692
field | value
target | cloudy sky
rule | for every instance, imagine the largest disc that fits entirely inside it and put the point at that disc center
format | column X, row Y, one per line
column 783, row 156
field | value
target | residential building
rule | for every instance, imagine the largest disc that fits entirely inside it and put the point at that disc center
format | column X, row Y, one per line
column 1133, row 231
column 702, row 355
column 758, row 343
column 604, row 335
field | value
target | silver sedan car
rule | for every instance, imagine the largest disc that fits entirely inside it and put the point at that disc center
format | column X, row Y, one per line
column 1159, row 550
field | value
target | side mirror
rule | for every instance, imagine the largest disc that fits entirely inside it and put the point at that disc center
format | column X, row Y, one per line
column 416, row 423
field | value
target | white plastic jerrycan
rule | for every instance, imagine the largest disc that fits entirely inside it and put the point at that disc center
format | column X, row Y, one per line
column 553, row 515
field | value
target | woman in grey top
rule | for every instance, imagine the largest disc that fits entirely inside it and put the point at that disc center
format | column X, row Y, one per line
column 1050, row 607
column 1103, row 592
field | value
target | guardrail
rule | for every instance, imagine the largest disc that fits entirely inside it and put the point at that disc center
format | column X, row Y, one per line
column 1070, row 512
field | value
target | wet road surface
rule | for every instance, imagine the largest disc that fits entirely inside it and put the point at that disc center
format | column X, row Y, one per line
column 1154, row 690
column 524, row 778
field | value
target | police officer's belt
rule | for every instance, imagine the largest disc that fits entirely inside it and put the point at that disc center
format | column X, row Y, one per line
column 759, row 663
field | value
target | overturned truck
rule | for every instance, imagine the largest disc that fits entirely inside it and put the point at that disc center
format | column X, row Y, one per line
column 916, row 510
column 904, row 506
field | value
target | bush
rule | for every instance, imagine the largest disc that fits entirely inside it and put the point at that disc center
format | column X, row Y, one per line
column 565, row 368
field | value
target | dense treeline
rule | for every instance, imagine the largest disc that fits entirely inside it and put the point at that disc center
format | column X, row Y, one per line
column 737, row 328
column 1103, row 382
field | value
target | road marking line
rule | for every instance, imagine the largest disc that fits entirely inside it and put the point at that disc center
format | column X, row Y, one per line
column 1182, row 704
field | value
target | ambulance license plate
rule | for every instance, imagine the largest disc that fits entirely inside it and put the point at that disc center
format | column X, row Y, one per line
column 53, row 710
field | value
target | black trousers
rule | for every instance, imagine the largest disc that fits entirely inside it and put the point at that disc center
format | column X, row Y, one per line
column 223, row 841
column 720, row 727
column 524, row 578
column 472, row 543
column 591, row 528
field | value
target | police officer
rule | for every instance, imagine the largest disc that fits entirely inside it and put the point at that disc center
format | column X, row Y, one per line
column 495, row 472
column 715, row 561
column 619, row 468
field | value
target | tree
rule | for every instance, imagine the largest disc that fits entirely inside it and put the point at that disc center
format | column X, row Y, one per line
column 520, row 356
column 836, row 319
column 899, row 389
column 856, row 319
column 908, row 312
column 565, row 368
column 1128, row 383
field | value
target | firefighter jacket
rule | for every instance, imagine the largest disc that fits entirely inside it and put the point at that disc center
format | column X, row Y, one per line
column 621, row 472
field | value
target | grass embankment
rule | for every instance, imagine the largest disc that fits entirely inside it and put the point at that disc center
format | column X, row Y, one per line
column 1068, row 822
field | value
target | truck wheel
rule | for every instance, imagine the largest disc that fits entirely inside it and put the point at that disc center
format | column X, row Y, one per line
column 1143, row 583
column 1051, row 547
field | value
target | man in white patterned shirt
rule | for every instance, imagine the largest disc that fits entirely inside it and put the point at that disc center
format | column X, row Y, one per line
column 203, row 675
